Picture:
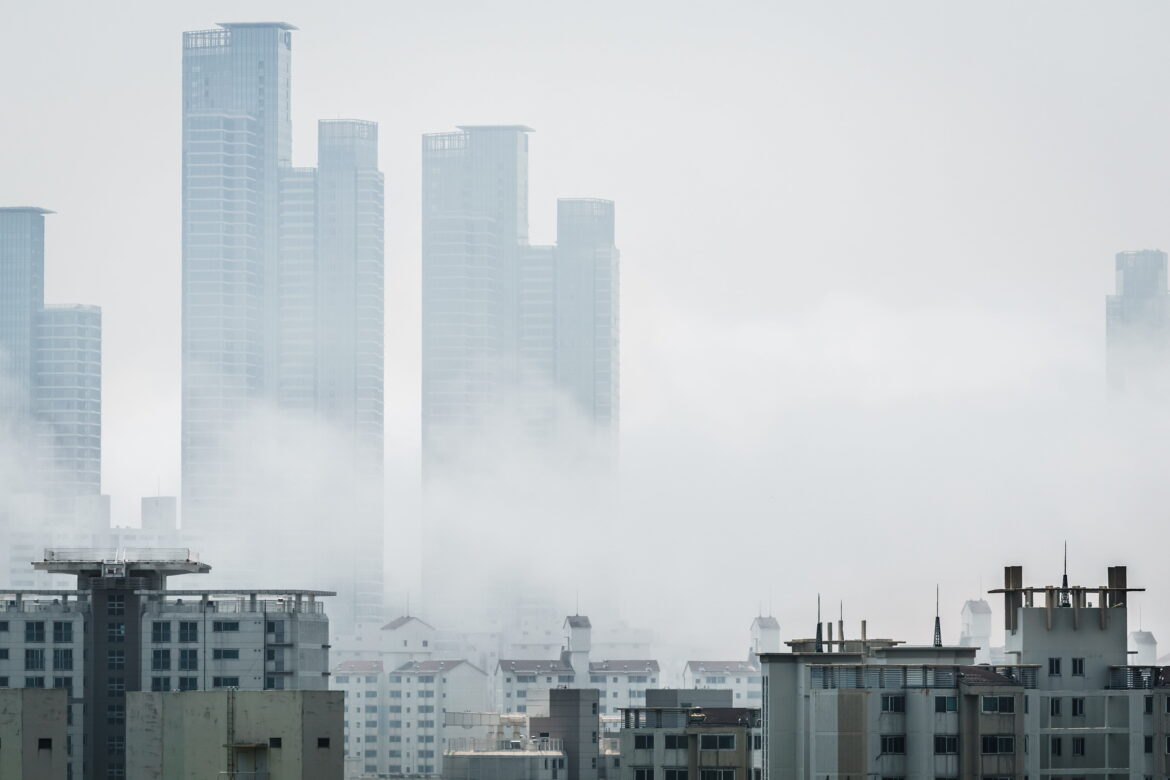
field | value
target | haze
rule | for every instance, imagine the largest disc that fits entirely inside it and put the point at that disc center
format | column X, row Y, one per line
column 865, row 253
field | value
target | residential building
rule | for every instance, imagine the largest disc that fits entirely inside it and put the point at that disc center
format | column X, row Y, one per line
column 521, row 759
column 33, row 742
column 1068, row 702
column 275, row 735
column 620, row 682
column 122, row 630
column 682, row 698
column 513, row 334
column 1137, row 325
column 742, row 678
column 573, row 719
column 676, row 743
column 1143, row 648
column 283, row 302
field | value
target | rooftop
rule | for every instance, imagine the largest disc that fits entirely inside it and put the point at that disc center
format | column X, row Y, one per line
column 767, row 622
column 364, row 667
column 25, row 209
column 639, row 665
column 733, row 667
column 277, row 25
column 399, row 622
column 513, row 128
column 578, row 621
column 526, row 666
column 426, row 667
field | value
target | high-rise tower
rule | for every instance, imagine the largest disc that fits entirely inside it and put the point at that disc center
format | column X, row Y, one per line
column 22, row 294
column 1137, row 325
column 512, row 331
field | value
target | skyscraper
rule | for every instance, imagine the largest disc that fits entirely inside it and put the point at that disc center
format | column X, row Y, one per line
column 22, row 295
column 527, row 335
column 1137, row 325
column 237, row 138
column 283, row 299
column 50, row 384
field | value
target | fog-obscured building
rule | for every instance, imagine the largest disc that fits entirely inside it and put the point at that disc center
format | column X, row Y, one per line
column 283, row 302
column 1137, row 325
column 518, row 340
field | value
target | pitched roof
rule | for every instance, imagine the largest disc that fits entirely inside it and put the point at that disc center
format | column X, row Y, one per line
column 728, row 667
column 535, row 666
column 647, row 665
column 578, row 621
column 399, row 622
column 430, row 667
column 366, row 667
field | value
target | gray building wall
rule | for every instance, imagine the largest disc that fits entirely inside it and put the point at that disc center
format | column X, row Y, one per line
column 573, row 719
column 32, row 734
column 290, row 735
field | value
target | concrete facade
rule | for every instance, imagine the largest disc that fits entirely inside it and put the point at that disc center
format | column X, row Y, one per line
column 33, row 741
column 275, row 735
column 679, row 743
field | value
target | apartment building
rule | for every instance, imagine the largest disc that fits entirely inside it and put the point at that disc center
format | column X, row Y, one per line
column 122, row 630
column 742, row 678
column 1068, row 703
column 691, row 743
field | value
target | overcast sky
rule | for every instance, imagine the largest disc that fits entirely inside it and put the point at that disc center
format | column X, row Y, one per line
column 865, row 249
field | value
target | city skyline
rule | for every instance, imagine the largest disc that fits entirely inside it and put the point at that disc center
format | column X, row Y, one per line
column 913, row 311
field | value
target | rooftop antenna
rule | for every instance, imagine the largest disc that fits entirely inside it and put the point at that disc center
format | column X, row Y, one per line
column 937, row 622
column 1064, row 601
column 820, row 645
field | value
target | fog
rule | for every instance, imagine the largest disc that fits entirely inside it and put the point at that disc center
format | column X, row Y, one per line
column 865, row 250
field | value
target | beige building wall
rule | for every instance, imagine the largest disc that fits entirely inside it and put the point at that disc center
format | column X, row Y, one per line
column 32, row 734
column 191, row 735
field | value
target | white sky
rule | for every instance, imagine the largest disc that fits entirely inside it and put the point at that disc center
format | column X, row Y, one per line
column 865, row 250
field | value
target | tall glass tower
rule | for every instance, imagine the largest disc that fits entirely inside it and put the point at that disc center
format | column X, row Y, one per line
column 510, row 329
column 237, row 137
column 283, row 301
column 1137, row 325
column 22, row 294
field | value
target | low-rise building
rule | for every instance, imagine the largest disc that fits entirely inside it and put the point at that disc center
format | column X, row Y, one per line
column 33, row 741
column 685, row 743
column 1068, row 703
column 274, row 735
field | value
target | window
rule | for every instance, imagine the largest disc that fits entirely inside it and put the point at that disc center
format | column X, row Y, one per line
column 1054, row 667
column 34, row 659
column 322, row 742
column 565, row 678
column 1078, row 744
column 676, row 741
column 44, row 743
column 115, row 714
column 3, row 653
column 116, row 745
column 34, row 682
column 115, row 660
column 1148, row 744
column 63, row 659
column 3, row 625
column 1149, row 705
column 1056, row 745
column 34, row 631
column 1054, row 706
column 62, row 631
column 998, row 744
column 225, row 682
column 160, row 660
column 160, row 631
column 597, row 678
column 643, row 742
column 644, row 774
column 1000, row 704
column 65, row 683
column 116, row 687
column 1078, row 667
column 116, row 604
column 946, row 744
column 274, row 742
column 188, row 631
column 1078, row 707
column 188, row 684
column 227, row 654
column 946, row 703
column 188, row 660
column 116, row 631
column 716, row 742
column 526, row 678
column 225, row 625
column 893, row 744
column 893, row 702
column 160, row 683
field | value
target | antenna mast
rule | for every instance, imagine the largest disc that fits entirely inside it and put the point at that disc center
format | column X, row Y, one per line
column 937, row 622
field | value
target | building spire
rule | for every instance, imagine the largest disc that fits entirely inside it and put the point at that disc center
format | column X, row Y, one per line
column 1064, row 600
column 937, row 621
column 820, row 644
